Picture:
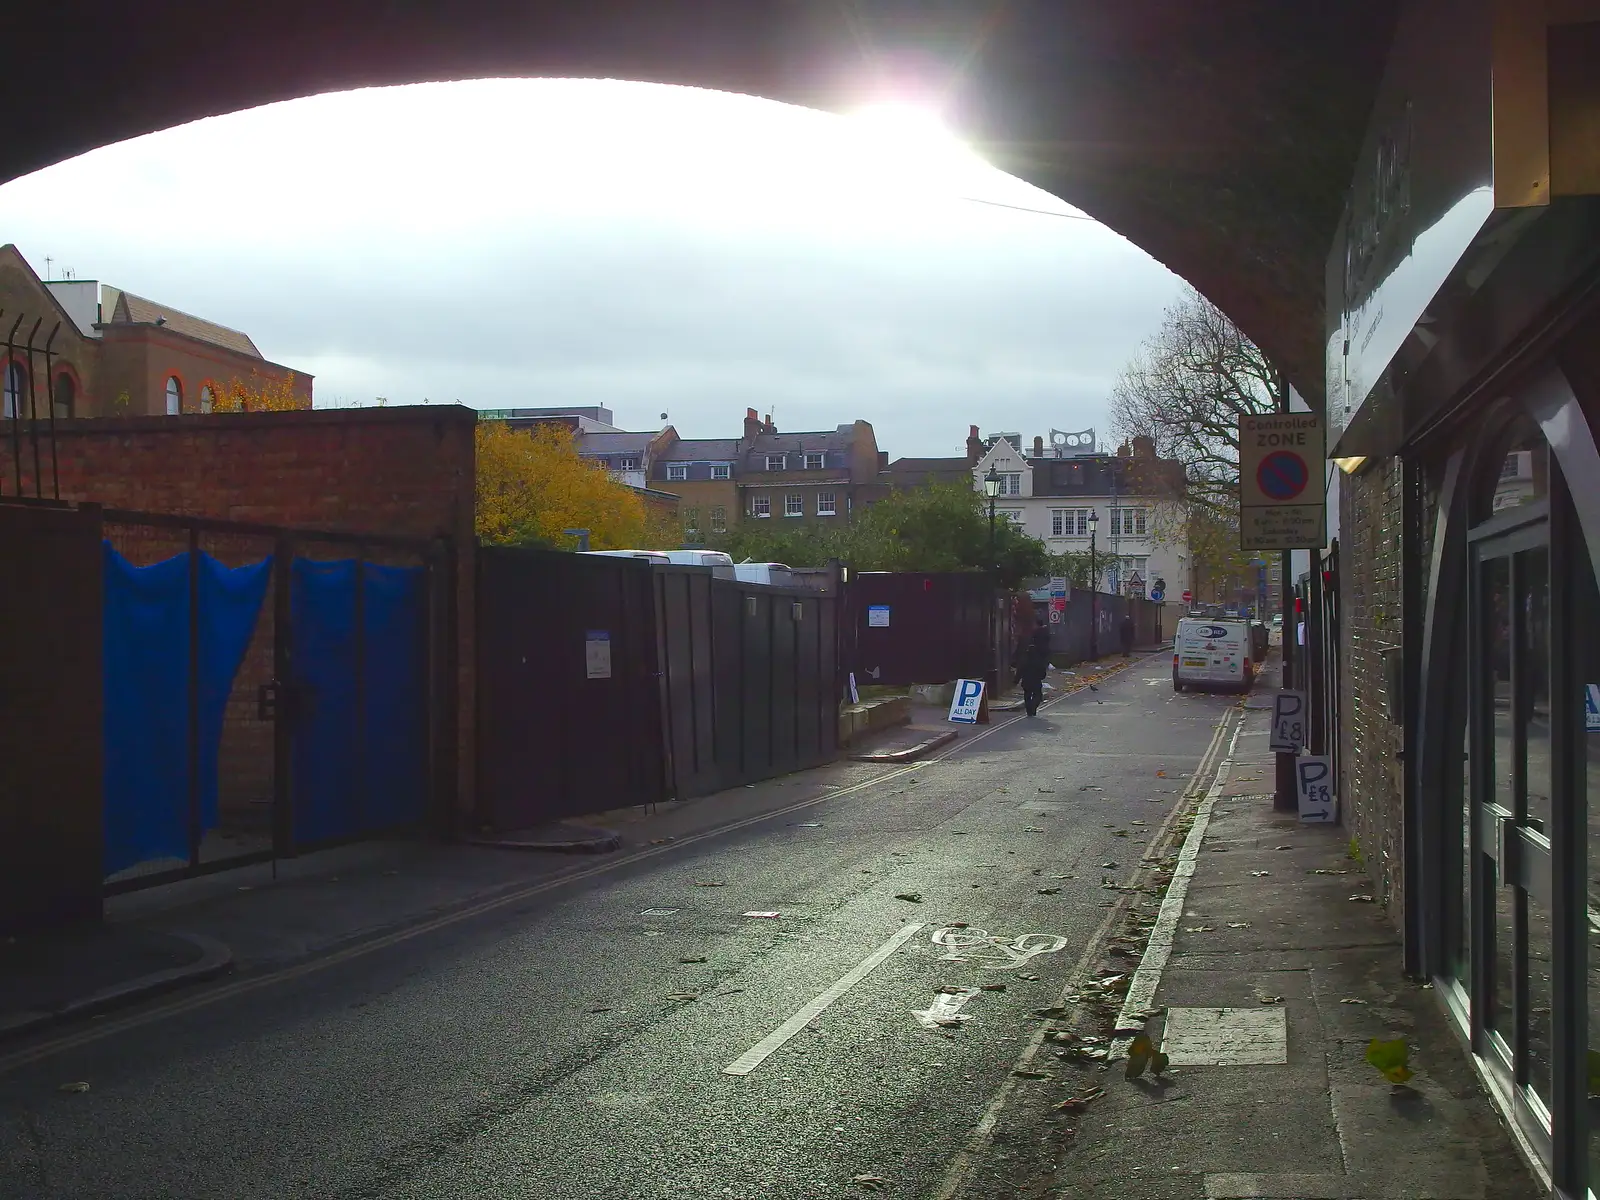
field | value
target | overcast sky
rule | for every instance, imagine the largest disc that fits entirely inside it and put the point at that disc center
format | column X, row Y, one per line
column 512, row 243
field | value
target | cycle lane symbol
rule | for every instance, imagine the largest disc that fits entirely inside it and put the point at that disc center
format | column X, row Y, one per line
column 994, row 953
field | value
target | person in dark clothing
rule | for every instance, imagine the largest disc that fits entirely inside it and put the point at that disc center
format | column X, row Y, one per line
column 1125, row 631
column 1034, row 662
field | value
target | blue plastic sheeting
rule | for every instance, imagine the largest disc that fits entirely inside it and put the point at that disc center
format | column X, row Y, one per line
column 146, row 621
column 355, row 772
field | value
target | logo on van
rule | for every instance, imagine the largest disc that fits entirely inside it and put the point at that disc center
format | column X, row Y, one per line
column 1212, row 631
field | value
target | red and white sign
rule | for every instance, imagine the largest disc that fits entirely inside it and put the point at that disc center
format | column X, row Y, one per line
column 1188, row 596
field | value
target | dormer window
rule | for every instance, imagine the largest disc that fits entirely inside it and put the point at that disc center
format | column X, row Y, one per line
column 814, row 462
column 775, row 462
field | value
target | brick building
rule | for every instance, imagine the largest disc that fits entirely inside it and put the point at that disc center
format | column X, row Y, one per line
column 115, row 354
column 818, row 476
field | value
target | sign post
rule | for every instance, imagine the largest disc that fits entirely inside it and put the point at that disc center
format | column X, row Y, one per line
column 1281, row 501
column 1313, row 774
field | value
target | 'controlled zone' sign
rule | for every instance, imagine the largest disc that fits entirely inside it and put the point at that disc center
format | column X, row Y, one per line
column 1281, row 501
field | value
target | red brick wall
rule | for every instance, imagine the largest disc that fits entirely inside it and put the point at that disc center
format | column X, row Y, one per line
column 403, row 471
column 138, row 360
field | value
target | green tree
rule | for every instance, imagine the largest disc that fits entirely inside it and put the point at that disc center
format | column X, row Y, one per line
column 941, row 527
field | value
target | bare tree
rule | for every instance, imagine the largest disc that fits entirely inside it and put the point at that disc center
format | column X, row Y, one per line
column 1187, row 388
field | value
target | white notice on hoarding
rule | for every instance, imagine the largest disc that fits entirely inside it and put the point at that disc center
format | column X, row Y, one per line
column 597, row 653
column 855, row 695
column 1313, row 776
column 964, row 704
column 1288, row 722
column 878, row 616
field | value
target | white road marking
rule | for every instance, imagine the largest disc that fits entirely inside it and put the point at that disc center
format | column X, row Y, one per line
column 1226, row 1037
column 762, row 1050
column 946, row 1007
column 1147, row 978
column 994, row 953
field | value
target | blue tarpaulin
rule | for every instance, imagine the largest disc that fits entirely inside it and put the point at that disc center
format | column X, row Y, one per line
column 356, row 773
column 147, row 810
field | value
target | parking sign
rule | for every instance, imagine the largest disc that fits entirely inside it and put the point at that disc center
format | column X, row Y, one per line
column 1288, row 722
column 1313, row 775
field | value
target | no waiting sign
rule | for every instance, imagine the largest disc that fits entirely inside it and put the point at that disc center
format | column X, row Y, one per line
column 1281, row 482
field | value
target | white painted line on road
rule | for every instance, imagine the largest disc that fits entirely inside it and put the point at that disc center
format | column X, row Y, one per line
column 946, row 1008
column 762, row 1050
column 1147, row 978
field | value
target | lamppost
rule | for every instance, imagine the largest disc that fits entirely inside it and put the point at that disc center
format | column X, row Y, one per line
column 1094, row 588
column 991, row 489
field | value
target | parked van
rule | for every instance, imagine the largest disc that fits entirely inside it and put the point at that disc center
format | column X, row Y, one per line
column 775, row 574
column 654, row 557
column 1210, row 653
column 721, row 565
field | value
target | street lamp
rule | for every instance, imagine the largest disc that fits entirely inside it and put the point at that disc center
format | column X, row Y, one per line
column 991, row 489
column 1094, row 588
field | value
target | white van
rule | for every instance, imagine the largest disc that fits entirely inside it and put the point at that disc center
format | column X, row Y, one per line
column 653, row 557
column 721, row 565
column 774, row 574
column 1208, row 653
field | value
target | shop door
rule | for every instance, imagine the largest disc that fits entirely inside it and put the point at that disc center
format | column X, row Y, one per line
column 1511, row 784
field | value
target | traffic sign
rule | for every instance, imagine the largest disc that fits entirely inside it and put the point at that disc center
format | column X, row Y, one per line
column 1281, row 505
column 1158, row 594
column 1187, row 597
column 1283, row 475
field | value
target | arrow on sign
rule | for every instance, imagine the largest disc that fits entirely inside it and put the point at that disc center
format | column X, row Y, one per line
column 946, row 1008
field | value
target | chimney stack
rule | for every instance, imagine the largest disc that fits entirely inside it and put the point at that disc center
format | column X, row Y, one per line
column 752, row 424
column 767, row 426
column 974, row 446
column 1123, row 451
column 1144, row 447
column 1038, row 446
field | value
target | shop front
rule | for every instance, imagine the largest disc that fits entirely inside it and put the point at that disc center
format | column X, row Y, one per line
column 1464, row 400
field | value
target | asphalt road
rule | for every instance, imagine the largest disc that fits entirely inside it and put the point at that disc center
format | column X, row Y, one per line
column 576, row 1046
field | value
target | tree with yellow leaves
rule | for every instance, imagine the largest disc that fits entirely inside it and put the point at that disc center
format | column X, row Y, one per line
column 532, row 485
column 258, row 395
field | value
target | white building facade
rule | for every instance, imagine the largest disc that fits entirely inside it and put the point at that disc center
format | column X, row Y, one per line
column 1053, row 492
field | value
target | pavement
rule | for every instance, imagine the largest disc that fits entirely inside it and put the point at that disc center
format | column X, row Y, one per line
column 819, row 986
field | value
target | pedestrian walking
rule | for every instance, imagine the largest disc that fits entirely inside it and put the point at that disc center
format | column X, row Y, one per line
column 1125, row 631
column 1035, row 661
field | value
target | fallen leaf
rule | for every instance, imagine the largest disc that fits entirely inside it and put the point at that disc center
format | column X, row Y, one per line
column 1161, row 774
column 1238, row 924
column 1283, row 847
column 1054, row 1013
column 1259, row 874
column 1049, row 891
column 683, row 996
column 1352, row 1000
column 600, row 1009
column 691, row 960
column 1120, row 833
column 873, row 1183
column 1362, row 899
column 1139, row 1053
column 1108, row 866
column 74, row 1087
column 710, row 883
column 993, row 987
column 1325, row 871
column 1390, row 1058
column 1021, row 1074
column 1198, row 928
column 1270, row 999
column 909, row 897
column 1030, row 829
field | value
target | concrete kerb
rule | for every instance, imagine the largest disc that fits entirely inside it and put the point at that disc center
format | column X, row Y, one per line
column 909, row 753
column 215, row 960
column 559, row 839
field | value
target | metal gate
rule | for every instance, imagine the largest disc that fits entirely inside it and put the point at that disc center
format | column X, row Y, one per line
column 267, row 691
